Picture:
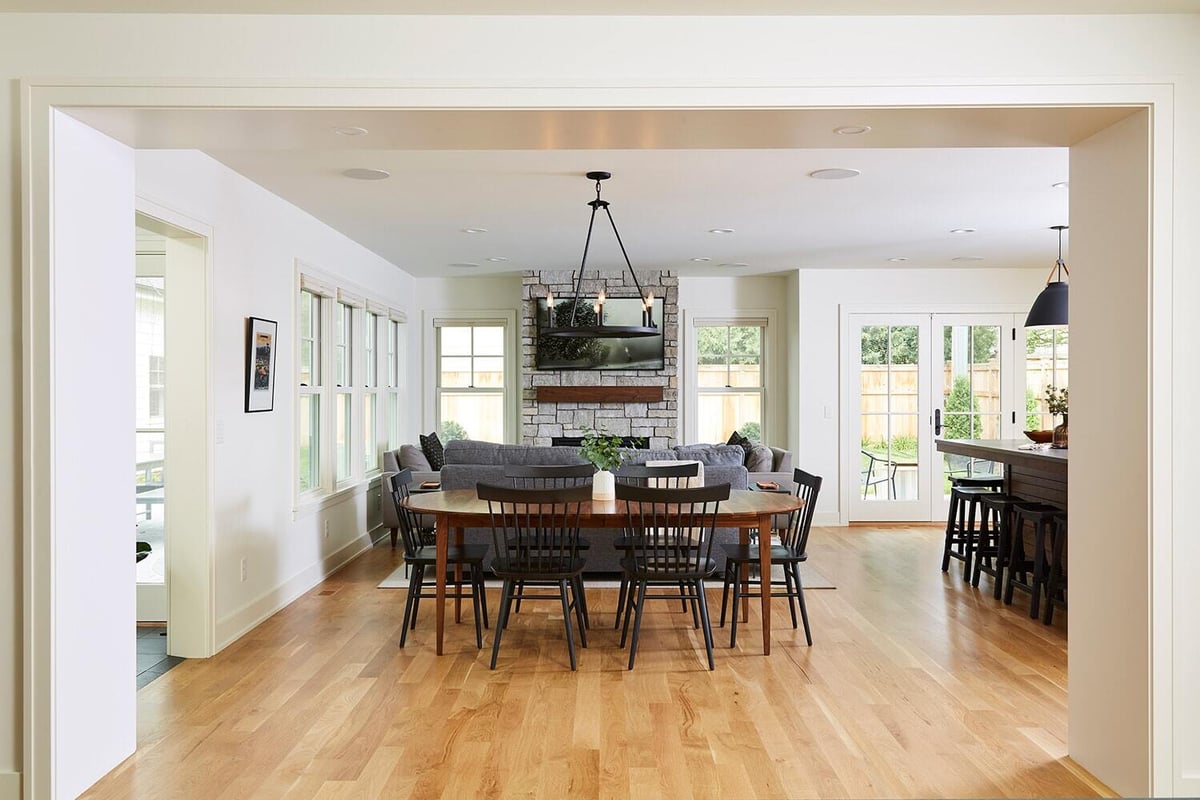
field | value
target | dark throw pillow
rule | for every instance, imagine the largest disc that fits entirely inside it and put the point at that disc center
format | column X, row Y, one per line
column 742, row 442
column 431, row 446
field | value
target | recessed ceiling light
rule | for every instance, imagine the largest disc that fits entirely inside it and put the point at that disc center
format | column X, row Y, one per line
column 720, row 230
column 1060, row 185
column 701, row 259
column 350, row 131
column 366, row 174
column 898, row 259
column 852, row 130
column 497, row 258
column 961, row 231
column 735, row 264
column 967, row 258
column 464, row 265
column 474, row 230
column 834, row 174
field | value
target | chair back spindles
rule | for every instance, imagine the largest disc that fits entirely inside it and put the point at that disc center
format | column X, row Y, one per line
column 808, row 487
column 661, row 476
column 535, row 530
column 410, row 527
column 672, row 529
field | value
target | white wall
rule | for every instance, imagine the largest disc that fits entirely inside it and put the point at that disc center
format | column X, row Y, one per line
column 94, row 709
column 1110, row 568
column 751, row 295
column 257, row 239
column 823, row 293
column 665, row 61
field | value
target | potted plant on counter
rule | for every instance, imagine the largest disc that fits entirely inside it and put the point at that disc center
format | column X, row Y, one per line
column 603, row 451
column 1056, row 402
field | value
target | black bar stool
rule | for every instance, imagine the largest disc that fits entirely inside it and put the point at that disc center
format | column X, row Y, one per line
column 1056, row 575
column 1030, row 567
column 995, row 541
column 961, row 534
column 995, row 482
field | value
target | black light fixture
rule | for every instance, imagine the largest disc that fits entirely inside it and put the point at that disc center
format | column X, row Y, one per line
column 1050, row 307
column 591, row 326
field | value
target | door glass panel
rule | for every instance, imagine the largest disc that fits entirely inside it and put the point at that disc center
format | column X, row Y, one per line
column 971, row 395
column 890, row 390
column 150, row 439
column 1046, row 361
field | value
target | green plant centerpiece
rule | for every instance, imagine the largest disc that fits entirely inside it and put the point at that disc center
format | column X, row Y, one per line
column 1057, row 401
column 603, row 451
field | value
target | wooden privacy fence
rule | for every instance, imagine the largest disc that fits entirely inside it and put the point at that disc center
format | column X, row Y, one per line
column 902, row 381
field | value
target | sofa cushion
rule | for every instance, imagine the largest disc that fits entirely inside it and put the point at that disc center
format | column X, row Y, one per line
column 712, row 454
column 635, row 456
column 759, row 458
column 471, row 451
column 431, row 446
column 549, row 456
column 412, row 457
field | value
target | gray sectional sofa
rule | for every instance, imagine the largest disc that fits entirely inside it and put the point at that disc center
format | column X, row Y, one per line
column 471, row 462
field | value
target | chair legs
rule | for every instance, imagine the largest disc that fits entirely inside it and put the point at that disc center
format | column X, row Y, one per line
column 793, row 591
column 638, row 594
column 570, row 591
column 412, row 602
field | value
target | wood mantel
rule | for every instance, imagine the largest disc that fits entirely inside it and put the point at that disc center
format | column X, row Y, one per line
column 600, row 394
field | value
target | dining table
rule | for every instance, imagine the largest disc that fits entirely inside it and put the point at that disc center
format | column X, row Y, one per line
column 457, row 509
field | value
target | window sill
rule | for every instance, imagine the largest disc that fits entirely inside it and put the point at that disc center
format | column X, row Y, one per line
column 312, row 504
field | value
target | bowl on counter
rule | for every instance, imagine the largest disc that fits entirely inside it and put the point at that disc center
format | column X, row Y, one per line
column 1041, row 437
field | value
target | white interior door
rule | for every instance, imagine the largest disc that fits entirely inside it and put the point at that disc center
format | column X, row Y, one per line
column 889, row 451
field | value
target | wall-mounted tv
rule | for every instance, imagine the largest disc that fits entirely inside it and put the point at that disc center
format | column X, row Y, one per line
column 572, row 353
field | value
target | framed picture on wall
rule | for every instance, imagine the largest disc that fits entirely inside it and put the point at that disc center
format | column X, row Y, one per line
column 261, row 341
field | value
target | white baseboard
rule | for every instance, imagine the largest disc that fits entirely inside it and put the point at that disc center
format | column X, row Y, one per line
column 827, row 519
column 10, row 786
column 249, row 616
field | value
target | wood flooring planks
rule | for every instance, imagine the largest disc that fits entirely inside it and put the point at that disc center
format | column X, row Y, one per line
column 916, row 686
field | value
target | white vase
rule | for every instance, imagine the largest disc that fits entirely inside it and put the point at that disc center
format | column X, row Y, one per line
column 604, row 486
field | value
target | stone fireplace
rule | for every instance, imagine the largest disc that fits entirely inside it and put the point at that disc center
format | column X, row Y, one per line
column 631, row 403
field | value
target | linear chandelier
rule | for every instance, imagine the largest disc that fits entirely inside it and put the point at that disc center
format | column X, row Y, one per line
column 1051, row 306
column 582, row 325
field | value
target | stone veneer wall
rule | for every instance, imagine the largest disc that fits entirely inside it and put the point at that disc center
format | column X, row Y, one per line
column 542, row 420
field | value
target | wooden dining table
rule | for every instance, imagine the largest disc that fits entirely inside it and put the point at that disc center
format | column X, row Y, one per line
column 457, row 509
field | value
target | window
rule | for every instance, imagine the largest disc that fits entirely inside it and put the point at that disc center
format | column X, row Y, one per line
column 370, row 426
column 395, row 340
column 1046, row 361
column 339, row 431
column 311, row 389
column 470, row 380
column 729, row 379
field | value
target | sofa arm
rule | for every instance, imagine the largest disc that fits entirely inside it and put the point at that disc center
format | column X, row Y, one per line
column 781, row 460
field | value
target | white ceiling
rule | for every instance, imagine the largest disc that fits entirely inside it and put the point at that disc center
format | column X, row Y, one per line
column 610, row 7
column 677, row 175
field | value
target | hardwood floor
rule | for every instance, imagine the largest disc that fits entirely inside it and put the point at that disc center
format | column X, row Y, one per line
column 916, row 686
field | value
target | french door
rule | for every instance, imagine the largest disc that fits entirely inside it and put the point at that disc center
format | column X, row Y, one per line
column 916, row 378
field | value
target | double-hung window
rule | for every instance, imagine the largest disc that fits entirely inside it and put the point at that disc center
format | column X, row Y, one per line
column 342, row 357
column 730, row 388
column 471, row 380
column 1046, row 362
column 312, row 389
column 395, row 349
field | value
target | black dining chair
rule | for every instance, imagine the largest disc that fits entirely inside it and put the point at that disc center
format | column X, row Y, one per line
column 672, row 533
column 536, row 536
column 553, row 476
column 789, row 553
column 662, row 476
column 421, row 557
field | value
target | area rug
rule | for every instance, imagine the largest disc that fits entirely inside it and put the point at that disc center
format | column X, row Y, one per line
column 811, row 578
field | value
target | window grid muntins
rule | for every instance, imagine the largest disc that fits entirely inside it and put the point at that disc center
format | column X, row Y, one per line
column 310, row 339
column 730, row 388
column 471, row 383
column 343, row 356
column 369, row 351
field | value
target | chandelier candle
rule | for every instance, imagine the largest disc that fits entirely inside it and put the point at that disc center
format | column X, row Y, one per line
column 549, row 309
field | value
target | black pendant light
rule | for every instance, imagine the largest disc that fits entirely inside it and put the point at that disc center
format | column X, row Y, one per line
column 579, row 325
column 1050, row 307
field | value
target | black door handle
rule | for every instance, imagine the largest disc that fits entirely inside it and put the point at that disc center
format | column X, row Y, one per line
column 937, row 422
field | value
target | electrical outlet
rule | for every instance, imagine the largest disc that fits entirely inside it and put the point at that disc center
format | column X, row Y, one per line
column 243, row 569
column 326, row 529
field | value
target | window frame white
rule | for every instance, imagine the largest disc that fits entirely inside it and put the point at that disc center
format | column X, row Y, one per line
column 431, row 400
column 771, row 405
